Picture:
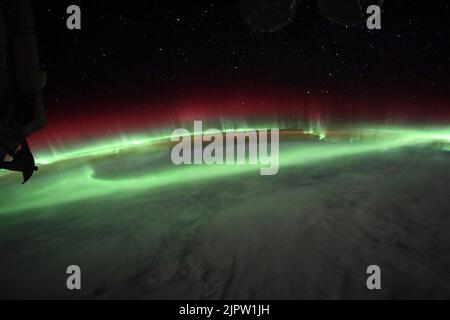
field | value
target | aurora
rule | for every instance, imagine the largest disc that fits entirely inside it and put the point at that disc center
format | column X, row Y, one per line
column 216, row 152
column 141, row 163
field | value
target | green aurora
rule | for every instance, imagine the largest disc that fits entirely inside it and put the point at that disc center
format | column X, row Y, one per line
column 70, row 175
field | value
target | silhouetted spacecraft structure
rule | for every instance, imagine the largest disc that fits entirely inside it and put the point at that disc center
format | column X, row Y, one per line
column 272, row 15
column 21, row 84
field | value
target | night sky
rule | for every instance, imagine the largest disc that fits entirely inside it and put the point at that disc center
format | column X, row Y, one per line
column 151, row 61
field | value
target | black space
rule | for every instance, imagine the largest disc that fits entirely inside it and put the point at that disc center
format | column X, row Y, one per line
column 127, row 47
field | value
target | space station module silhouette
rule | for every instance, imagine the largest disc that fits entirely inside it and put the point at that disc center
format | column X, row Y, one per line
column 270, row 15
column 21, row 84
